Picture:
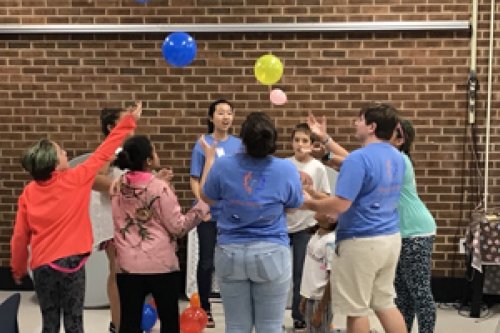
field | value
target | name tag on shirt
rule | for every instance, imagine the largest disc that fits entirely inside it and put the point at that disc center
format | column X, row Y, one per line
column 219, row 151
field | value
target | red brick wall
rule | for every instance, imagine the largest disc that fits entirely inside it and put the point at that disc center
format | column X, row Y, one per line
column 55, row 85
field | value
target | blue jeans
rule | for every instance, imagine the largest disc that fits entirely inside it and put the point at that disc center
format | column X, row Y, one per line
column 254, row 280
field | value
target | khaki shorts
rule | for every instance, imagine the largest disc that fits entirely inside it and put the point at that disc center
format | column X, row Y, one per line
column 363, row 272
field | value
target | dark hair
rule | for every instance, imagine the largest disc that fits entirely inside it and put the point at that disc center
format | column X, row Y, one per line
column 405, row 131
column 259, row 135
column 40, row 160
column 304, row 127
column 385, row 117
column 211, row 110
column 109, row 117
column 136, row 150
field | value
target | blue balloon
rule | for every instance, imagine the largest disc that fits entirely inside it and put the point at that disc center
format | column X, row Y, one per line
column 179, row 49
column 142, row 1
column 149, row 318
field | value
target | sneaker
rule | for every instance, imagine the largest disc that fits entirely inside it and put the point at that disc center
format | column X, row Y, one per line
column 112, row 328
column 299, row 324
column 210, row 322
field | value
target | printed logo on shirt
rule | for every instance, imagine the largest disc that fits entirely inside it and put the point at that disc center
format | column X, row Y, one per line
column 253, row 184
column 219, row 151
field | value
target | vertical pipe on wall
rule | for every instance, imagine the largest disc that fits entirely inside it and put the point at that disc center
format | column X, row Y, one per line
column 488, row 106
column 472, row 82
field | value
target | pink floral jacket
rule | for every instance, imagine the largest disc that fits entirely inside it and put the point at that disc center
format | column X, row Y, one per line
column 148, row 220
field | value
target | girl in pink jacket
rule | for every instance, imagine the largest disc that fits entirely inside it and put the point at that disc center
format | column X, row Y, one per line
column 148, row 220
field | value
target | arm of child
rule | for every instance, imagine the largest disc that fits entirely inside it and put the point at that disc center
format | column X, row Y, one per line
column 318, row 127
column 19, row 242
column 88, row 169
column 209, row 151
column 317, row 316
column 172, row 218
column 102, row 181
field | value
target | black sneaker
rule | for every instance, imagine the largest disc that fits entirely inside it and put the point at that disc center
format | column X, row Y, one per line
column 210, row 322
column 112, row 328
column 299, row 324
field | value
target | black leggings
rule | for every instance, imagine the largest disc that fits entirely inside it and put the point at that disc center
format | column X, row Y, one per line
column 413, row 284
column 133, row 289
column 61, row 292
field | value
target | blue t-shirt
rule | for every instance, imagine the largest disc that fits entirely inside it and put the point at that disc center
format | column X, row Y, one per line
column 253, row 194
column 371, row 178
column 228, row 147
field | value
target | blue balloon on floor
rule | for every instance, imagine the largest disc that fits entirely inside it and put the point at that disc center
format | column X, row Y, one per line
column 179, row 49
column 142, row 1
column 149, row 317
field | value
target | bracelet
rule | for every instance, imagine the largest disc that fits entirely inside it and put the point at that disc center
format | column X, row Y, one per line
column 328, row 139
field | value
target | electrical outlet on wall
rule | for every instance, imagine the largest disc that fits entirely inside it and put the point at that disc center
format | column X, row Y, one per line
column 461, row 245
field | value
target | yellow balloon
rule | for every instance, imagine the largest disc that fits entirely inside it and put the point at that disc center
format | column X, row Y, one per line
column 268, row 69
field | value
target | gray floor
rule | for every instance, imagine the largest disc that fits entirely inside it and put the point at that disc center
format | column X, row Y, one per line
column 97, row 321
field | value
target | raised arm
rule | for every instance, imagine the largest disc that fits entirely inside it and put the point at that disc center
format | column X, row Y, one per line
column 318, row 127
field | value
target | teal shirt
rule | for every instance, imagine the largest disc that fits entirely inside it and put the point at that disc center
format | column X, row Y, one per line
column 415, row 218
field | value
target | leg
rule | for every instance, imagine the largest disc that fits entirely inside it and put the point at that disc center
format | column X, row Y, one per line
column 299, row 244
column 47, row 291
column 238, row 305
column 112, row 288
column 234, row 288
column 167, row 299
column 404, row 299
column 72, row 298
column 419, row 283
column 270, row 272
column 383, row 294
column 132, row 293
column 326, row 321
column 207, row 235
column 358, row 324
column 392, row 321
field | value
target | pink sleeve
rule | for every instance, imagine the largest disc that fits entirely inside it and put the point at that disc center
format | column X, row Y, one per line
column 172, row 218
column 20, row 240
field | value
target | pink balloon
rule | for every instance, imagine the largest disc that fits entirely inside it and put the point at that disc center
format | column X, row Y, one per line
column 278, row 97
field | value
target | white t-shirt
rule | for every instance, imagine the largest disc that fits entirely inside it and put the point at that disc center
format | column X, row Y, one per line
column 100, row 212
column 303, row 219
column 317, row 264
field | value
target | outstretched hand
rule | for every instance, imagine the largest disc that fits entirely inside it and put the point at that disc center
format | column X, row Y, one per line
column 136, row 110
column 208, row 149
column 317, row 126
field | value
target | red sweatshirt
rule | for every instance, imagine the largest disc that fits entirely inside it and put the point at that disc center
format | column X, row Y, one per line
column 53, row 215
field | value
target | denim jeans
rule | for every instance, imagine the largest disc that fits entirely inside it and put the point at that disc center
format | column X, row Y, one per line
column 254, row 281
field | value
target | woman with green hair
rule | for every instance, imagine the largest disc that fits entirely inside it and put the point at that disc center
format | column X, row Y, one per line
column 53, row 219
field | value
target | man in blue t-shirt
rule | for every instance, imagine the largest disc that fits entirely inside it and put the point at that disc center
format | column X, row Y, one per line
column 368, row 241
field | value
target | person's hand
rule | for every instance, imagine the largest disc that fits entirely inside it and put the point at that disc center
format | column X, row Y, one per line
column 165, row 174
column 208, row 149
column 136, row 110
column 305, row 179
column 318, row 150
column 207, row 218
column 318, row 127
column 316, row 319
column 17, row 279
column 307, row 196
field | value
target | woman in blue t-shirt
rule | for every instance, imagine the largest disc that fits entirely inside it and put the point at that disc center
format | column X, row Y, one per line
column 252, row 258
column 220, row 119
